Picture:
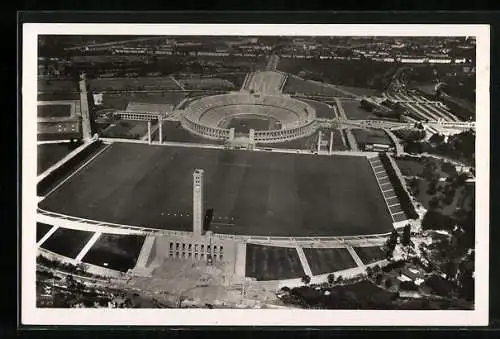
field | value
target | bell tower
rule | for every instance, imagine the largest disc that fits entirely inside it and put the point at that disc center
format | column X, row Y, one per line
column 198, row 201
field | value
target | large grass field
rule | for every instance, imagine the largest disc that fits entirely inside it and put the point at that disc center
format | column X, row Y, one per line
column 272, row 263
column 327, row 260
column 251, row 192
column 117, row 252
column 67, row 242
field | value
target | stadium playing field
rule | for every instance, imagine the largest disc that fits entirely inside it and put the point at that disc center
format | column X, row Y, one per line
column 257, row 193
column 244, row 124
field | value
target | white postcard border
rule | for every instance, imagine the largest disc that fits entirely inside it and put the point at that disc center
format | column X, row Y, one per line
column 30, row 315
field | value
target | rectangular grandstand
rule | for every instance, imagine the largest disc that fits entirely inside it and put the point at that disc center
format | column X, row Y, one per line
column 254, row 193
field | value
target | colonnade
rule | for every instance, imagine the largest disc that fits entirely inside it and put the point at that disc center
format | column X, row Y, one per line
column 196, row 250
column 205, row 131
column 286, row 134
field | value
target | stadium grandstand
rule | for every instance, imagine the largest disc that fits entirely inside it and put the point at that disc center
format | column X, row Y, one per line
column 209, row 115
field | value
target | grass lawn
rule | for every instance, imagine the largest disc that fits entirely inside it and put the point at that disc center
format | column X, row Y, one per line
column 53, row 111
column 41, row 230
column 322, row 109
column 272, row 263
column 120, row 101
column 310, row 142
column 56, row 85
column 117, row 252
column 327, row 260
column 354, row 111
column 263, row 193
column 67, row 242
column 370, row 255
column 297, row 85
column 173, row 131
column 102, row 84
column 371, row 136
column 361, row 91
column 126, row 129
column 410, row 167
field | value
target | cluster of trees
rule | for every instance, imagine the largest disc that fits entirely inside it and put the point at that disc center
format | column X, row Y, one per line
column 77, row 293
column 79, row 269
column 362, row 73
column 410, row 135
column 390, row 244
column 459, row 146
column 414, row 185
column 392, row 240
column 454, row 255
column 363, row 295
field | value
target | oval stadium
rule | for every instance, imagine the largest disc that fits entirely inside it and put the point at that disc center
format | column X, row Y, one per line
column 273, row 118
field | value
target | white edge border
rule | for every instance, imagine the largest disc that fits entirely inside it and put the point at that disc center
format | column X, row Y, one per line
column 30, row 315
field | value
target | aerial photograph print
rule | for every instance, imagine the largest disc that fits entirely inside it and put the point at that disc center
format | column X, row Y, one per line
column 266, row 172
